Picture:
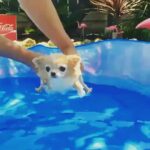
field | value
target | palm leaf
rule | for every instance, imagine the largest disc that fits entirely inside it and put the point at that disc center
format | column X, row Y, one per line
column 117, row 7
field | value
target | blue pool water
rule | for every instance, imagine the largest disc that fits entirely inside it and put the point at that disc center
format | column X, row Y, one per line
column 108, row 119
column 115, row 116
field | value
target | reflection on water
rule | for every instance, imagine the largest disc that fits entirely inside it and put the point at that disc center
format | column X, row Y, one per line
column 108, row 119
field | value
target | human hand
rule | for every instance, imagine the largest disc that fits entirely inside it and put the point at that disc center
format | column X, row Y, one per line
column 73, row 51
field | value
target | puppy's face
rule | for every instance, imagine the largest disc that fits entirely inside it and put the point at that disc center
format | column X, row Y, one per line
column 58, row 65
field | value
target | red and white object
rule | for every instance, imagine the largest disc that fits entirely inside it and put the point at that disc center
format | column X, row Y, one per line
column 8, row 26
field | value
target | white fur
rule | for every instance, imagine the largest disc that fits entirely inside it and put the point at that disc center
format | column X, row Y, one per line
column 61, row 84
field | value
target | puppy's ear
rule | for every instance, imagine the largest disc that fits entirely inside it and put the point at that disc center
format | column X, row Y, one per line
column 74, row 60
column 37, row 61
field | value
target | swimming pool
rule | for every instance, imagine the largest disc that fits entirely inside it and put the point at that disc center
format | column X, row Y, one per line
column 114, row 117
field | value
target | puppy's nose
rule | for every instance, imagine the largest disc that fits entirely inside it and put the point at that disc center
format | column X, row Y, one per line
column 53, row 74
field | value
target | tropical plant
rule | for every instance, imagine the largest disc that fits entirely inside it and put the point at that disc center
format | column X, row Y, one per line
column 128, row 25
column 117, row 8
column 4, row 6
column 144, row 9
column 9, row 6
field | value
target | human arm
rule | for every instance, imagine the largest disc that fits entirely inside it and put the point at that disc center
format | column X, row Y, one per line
column 10, row 50
column 44, row 15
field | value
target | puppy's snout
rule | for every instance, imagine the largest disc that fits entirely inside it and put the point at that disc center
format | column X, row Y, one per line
column 53, row 74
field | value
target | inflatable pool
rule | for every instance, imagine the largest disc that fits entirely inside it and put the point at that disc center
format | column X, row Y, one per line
column 114, row 117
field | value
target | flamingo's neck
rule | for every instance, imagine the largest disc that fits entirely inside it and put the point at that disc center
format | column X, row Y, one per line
column 78, row 24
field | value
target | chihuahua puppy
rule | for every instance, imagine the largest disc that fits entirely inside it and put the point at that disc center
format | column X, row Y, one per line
column 59, row 73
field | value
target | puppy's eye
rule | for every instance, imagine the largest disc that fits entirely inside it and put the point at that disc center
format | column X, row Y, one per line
column 62, row 68
column 48, row 68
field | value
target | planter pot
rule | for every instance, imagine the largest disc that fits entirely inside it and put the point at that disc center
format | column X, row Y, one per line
column 96, row 21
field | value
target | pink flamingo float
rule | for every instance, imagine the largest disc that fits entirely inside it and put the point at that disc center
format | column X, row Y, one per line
column 82, row 26
column 144, row 24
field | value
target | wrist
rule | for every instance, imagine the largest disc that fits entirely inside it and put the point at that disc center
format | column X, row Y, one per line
column 70, row 51
column 68, row 48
